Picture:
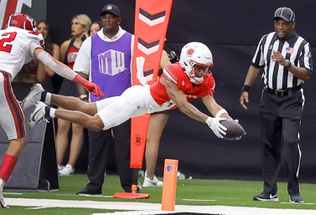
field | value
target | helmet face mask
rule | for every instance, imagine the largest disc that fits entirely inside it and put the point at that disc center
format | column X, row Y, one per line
column 22, row 20
column 196, row 60
column 201, row 69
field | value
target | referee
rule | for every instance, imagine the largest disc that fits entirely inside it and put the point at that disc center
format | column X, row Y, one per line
column 285, row 59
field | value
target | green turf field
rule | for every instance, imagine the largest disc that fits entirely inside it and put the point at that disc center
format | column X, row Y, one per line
column 189, row 192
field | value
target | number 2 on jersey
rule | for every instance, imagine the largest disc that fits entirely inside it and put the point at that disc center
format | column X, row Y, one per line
column 5, row 40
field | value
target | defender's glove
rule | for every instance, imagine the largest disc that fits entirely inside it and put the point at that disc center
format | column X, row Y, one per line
column 216, row 126
column 93, row 88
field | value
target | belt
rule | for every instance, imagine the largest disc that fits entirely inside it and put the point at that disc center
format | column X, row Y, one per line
column 282, row 92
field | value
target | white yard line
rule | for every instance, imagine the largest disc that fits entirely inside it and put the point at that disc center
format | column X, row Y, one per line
column 139, row 208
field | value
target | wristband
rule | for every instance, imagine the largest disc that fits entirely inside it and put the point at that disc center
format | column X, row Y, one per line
column 245, row 88
column 83, row 96
column 288, row 65
column 220, row 112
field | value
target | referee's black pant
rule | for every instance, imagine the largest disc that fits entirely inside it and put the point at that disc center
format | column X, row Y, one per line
column 280, row 124
column 98, row 156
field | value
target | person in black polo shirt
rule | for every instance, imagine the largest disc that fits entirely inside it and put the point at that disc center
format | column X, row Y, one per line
column 285, row 59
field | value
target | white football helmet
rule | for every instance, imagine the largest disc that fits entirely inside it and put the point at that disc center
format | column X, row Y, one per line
column 196, row 54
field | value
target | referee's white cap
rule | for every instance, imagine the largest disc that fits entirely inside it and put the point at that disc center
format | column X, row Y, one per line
column 285, row 13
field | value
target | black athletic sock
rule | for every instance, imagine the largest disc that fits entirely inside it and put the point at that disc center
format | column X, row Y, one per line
column 47, row 111
column 43, row 96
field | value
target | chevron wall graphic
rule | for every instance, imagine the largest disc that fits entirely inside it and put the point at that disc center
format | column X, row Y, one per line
column 151, row 24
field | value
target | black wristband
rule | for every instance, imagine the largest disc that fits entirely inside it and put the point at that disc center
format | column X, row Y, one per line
column 288, row 65
column 245, row 88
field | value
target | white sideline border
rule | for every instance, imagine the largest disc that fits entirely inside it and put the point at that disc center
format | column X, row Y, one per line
column 140, row 208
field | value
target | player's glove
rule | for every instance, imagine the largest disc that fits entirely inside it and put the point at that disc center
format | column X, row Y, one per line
column 93, row 88
column 216, row 126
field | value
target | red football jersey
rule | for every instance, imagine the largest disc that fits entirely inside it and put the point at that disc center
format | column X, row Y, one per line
column 71, row 56
column 175, row 74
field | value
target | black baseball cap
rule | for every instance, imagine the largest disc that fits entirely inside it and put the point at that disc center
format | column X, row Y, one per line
column 285, row 13
column 111, row 8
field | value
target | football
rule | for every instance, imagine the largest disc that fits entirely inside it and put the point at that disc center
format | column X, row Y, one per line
column 234, row 130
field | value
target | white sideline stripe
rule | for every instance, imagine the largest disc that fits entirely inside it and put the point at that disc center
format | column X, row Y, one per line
column 140, row 208
column 17, row 194
column 304, row 203
column 199, row 200
column 92, row 196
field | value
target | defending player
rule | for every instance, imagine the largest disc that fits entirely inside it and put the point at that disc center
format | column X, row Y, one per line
column 180, row 83
column 19, row 44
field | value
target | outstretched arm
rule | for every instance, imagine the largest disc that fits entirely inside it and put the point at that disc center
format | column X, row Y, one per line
column 214, row 108
column 180, row 99
column 65, row 71
column 190, row 110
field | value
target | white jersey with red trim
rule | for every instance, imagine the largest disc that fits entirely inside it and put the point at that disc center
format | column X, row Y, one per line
column 175, row 74
column 15, row 48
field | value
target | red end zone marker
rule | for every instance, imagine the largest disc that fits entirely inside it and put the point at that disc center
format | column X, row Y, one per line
column 151, row 24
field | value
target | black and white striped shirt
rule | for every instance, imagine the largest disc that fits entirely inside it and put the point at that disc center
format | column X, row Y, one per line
column 295, row 49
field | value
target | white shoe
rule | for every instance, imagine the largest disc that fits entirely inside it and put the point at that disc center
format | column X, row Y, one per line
column 2, row 203
column 38, row 115
column 141, row 173
column 67, row 170
column 152, row 183
column 139, row 186
column 180, row 175
column 33, row 96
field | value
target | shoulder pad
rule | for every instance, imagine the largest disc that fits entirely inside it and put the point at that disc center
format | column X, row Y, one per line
column 35, row 35
column 209, row 81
